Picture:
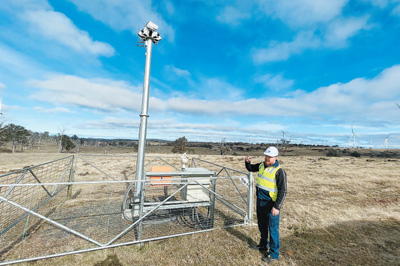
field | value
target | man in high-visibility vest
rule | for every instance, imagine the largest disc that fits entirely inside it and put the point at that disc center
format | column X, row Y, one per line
column 271, row 192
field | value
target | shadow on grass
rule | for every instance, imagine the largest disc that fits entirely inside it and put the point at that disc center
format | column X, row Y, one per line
column 241, row 236
column 236, row 233
column 347, row 243
column 111, row 260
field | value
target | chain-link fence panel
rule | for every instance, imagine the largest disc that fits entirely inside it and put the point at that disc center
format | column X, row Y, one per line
column 16, row 224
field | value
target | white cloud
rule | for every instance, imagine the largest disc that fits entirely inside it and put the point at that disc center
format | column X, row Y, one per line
column 216, row 88
column 126, row 15
column 295, row 13
column 2, row 86
column 100, row 94
column 52, row 110
column 57, row 26
column 12, row 61
column 177, row 71
column 318, row 24
column 233, row 15
column 300, row 13
column 181, row 72
column 170, row 8
column 379, row 3
column 396, row 10
column 111, row 123
column 353, row 100
column 275, row 82
column 394, row 4
column 278, row 51
column 363, row 100
column 341, row 29
column 350, row 101
column 337, row 34
column 13, row 6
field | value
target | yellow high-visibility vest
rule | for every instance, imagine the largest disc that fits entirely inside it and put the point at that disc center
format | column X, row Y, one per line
column 266, row 180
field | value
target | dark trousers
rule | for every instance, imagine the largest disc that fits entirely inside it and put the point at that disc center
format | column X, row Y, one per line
column 268, row 226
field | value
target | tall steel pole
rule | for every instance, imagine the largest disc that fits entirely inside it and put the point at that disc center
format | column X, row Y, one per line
column 148, row 35
column 143, row 122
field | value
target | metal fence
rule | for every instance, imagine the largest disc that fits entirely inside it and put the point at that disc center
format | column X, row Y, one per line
column 84, row 203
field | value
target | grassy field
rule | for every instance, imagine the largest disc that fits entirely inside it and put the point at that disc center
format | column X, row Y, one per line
column 338, row 211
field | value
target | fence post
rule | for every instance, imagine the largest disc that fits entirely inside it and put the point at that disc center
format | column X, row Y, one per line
column 71, row 177
column 250, row 199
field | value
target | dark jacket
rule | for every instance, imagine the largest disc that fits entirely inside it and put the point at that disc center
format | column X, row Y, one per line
column 280, row 182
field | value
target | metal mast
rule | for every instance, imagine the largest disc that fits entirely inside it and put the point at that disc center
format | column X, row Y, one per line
column 147, row 36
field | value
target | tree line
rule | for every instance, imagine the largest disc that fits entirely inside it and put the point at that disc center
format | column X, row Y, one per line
column 20, row 137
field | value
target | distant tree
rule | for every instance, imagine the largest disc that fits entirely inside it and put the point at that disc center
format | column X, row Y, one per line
column 66, row 143
column 45, row 136
column 18, row 135
column 74, row 138
column 34, row 138
column 179, row 146
column 3, row 135
column 135, row 147
column 355, row 154
column 60, row 139
column 334, row 153
column 223, row 147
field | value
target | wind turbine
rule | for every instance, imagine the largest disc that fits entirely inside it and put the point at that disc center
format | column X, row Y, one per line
column 386, row 142
column 398, row 105
column 353, row 135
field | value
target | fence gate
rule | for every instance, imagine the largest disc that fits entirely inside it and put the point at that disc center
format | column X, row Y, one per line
column 85, row 203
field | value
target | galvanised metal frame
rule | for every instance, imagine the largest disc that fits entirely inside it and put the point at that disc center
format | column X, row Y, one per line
column 247, row 214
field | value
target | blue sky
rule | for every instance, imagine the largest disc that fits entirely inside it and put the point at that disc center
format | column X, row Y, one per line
column 240, row 70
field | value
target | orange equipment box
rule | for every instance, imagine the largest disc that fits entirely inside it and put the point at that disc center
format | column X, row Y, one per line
column 165, row 180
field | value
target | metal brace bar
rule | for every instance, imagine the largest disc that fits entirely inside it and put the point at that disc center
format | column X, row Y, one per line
column 223, row 199
column 12, row 187
column 97, row 168
column 235, row 185
column 159, row 158
column 37, row 179
column 220, row 171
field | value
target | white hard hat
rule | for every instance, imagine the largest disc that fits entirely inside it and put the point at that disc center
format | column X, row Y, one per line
column 271, row 152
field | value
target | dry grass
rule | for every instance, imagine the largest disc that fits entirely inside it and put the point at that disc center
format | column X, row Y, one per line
column 338, row 211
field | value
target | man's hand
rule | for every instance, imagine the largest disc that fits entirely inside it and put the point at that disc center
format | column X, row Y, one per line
column 274, row 211
column 248, row 159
